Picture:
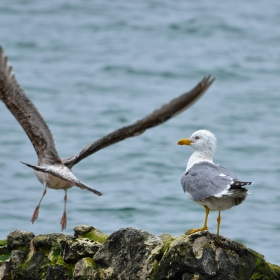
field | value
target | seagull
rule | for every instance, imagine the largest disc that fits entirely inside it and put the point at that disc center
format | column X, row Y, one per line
column 212, row 186
column 55, row 172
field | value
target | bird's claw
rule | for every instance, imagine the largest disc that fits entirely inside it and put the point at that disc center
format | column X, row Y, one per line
column 63, row 221
column 35, row 214
column 196, row 230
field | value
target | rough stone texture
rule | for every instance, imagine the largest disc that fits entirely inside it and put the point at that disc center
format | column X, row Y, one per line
column 85, row 269
column 19, row 239
column 128, row 254
column 57, row 272
column 17, row 259
column 208, row 256
column 90, row 233
column 44, row 242
column 75, row 249
column 82, row 230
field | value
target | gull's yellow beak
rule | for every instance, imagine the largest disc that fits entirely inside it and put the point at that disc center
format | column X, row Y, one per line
column 184, row 141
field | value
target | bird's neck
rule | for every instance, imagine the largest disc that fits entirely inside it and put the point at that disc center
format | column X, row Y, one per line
column 199, row 156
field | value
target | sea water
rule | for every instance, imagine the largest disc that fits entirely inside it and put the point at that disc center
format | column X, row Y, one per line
column 91, row 67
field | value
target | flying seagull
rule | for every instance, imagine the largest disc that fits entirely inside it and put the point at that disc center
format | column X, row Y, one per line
column 51, row 170
column 212, row 186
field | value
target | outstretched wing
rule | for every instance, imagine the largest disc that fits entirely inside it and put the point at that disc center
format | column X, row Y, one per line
column 159, row 116
column 26, row 113
column 64, row 174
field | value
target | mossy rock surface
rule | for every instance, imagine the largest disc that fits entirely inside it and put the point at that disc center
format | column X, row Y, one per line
column 208, row 256
column 129, row 254
column 90, row 233
column 19, row 240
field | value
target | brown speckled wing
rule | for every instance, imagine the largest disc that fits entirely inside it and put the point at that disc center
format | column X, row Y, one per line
column 26, row 113
column 159, row 116
column 65, row 174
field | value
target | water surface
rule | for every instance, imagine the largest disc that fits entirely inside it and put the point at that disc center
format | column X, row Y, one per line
column 92, row 67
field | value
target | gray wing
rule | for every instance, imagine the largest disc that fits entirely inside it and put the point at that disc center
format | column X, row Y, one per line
column 26, row 113
column 159, row 116
column 205, row 179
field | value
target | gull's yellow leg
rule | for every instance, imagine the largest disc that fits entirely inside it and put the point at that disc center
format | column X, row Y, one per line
column 205, row 221
column 219, row 221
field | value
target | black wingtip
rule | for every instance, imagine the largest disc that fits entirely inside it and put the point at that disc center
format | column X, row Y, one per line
column 31, row 166
column 98, row 193
column 25, row 164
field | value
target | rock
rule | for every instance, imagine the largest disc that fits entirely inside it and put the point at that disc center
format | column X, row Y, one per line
column 76, row 249
column 167, row 239
column 19, row 240
column 45, row 242
column 35, row 265
column 82, row 230
column 85, row 269
column 90, row 233
column 208, row 256
column 5, row 271
column 129, row 254
column 17, row 259
column 57, row 272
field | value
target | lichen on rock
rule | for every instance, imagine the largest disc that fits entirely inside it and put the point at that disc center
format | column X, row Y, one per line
column 90, row 233
column 209, row 256
column 129, row 253
column 76, row 249
column 85, row 269
column 19, row 240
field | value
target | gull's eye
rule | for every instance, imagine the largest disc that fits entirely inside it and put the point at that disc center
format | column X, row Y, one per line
column 196, row 137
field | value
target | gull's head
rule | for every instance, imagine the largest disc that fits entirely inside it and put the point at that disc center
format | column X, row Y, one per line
column 202, row 141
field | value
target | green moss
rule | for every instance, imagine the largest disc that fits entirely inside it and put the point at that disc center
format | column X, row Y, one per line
column 275, row 268
column 41, row 244
column 23, row 247
column 90, row 261
column 55, row 253
column 155, row 266
column 256, row 276
column 55, row 258
column 167, row 239
column 264, row 270
column 91, row 264
column 5, row 254
column 167, row 244
column 61, row 262
column 24, row 266
column 3, row 249
column 3, row 258
column 3, row 242
column 96, row 235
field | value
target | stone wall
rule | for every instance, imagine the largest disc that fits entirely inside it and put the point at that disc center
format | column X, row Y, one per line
column 129, row 254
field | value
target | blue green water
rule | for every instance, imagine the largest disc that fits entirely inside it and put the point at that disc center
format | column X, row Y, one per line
column 94, row 66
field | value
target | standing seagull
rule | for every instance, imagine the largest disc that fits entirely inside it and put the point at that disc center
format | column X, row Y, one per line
column 55, row 172
column 209, row 185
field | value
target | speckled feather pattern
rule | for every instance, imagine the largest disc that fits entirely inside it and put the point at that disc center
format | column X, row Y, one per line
column 26, row 114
